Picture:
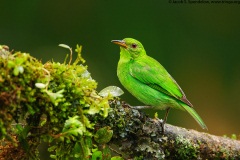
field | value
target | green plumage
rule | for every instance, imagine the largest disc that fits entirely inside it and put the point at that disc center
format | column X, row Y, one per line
column 147, row 80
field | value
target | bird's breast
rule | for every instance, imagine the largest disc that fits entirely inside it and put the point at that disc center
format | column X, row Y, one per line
column 123, row 72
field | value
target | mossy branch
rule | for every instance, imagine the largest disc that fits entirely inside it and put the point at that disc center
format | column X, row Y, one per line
column 58, row 103
column 142, row 137
column 207, row 146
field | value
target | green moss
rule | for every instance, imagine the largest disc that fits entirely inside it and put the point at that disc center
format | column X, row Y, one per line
column 53, row 102
column 186, row 149
column 232, row 136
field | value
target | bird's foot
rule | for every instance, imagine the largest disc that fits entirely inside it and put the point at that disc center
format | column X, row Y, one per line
column 160, row 123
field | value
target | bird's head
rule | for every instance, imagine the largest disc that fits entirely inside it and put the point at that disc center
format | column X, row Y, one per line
column 130, row 47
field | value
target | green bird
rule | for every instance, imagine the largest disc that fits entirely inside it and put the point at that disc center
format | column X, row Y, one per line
column 147, row 80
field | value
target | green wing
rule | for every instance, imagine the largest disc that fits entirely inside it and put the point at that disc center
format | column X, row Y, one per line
column 149, row 71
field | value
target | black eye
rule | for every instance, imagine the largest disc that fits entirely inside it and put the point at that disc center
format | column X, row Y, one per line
column 134, row 45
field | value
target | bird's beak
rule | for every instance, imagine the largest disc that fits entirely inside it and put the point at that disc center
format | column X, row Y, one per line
column 121, row 43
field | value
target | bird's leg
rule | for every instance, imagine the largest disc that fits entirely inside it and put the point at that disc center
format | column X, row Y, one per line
column 166, row 115
column 162, row 122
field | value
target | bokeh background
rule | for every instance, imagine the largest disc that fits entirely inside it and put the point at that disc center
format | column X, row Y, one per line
column 199, row 44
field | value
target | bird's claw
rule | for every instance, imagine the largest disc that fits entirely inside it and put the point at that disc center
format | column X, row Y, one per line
column 160, row 123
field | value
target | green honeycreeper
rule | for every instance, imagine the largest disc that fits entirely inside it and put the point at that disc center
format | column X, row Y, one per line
column 147, row 80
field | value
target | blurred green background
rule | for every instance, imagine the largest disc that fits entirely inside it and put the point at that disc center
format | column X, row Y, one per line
column 199, row 44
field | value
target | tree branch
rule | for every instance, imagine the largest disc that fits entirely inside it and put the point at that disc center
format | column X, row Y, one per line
column 137, row 135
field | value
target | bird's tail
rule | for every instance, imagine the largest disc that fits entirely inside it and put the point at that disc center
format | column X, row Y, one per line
column 194, row 114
